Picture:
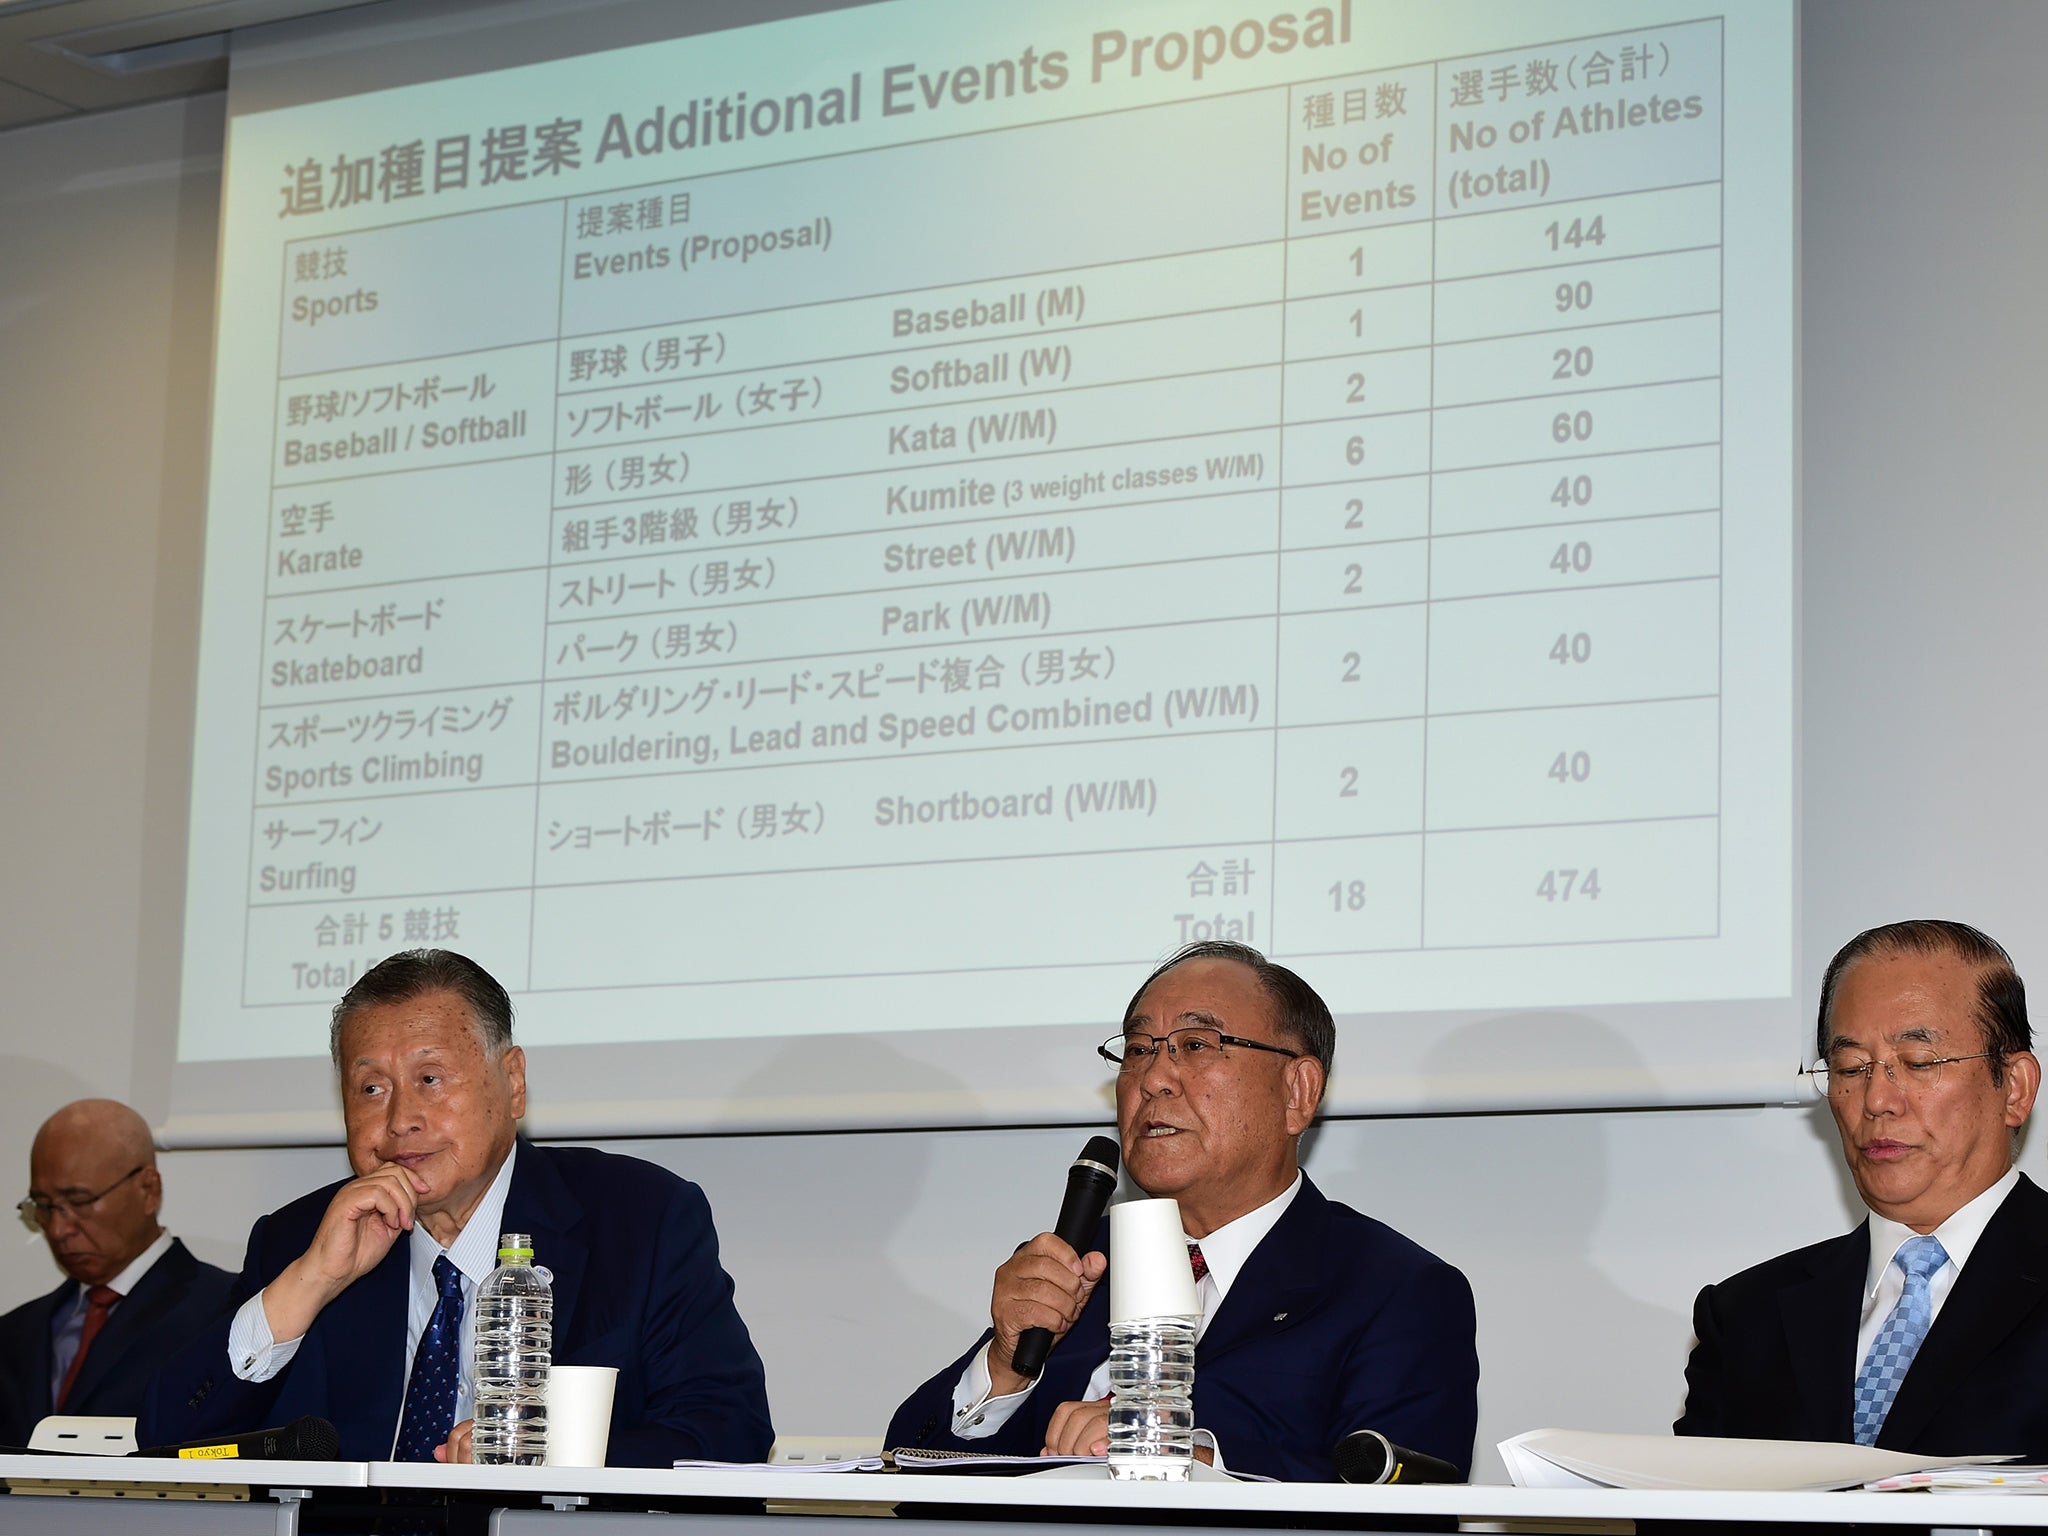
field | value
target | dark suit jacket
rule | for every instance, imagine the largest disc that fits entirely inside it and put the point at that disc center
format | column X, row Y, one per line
column 1776, row 1358
column 178, row 1297
column 1336, row 1322
column 637, row 1285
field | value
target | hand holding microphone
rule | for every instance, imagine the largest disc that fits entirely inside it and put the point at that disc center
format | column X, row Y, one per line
column 1041, row 1289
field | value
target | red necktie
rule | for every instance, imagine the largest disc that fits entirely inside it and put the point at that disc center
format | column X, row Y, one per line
column 1196, row 1262
column 99, row 1302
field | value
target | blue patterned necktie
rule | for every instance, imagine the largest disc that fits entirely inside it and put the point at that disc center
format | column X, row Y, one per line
column 1898, row 1341
column 436, row 1366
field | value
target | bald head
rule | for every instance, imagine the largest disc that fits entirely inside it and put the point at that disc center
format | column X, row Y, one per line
column 104, row 1123
column 94, row 1165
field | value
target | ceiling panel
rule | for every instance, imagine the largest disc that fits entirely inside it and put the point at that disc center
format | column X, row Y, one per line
column 18, row 106
column 60, row 57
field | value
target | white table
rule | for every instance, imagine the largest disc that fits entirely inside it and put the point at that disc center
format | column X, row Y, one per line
column 701, row 1501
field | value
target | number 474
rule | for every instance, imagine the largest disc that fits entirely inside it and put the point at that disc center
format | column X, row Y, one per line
column 1564, row 884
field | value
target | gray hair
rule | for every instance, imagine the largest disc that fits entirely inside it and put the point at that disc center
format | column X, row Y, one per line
column 2001, row 995
column 414, row 973
column 1299, row 1010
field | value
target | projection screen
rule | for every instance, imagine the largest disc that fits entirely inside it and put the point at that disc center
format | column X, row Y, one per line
column 820, row 551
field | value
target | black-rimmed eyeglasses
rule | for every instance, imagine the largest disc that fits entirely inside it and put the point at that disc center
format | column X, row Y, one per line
column 1192, row 1048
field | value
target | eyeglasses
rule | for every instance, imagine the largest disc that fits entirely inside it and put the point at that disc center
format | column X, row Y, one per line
column 1192, row 1049
column 1913, row 1071
column 37, row 1213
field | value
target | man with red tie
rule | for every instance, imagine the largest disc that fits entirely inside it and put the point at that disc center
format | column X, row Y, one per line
column 132, row 1293
column 1316, row 1321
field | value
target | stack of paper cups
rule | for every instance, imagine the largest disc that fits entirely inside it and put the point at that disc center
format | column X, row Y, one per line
column 580, row 1414
column 1149, row 1275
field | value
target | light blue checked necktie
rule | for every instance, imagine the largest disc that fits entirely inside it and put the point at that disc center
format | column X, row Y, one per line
column 436, row 1368
column 1898, row 1341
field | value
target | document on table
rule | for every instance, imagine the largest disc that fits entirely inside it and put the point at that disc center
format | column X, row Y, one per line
column 846, row 1464
column 911, row 1459
column 1952, row 1478
column 919, row 1459
column 1572, row 1458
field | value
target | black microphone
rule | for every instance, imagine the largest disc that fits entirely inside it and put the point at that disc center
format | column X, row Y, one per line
column 309, row 1438
column 1090, row 1183
column 1367, row 1456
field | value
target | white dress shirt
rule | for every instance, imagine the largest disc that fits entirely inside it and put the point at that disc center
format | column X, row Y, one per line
column 1885, row 1282
column 1224, row 1251
column 256, row 1356
column 67, row 1327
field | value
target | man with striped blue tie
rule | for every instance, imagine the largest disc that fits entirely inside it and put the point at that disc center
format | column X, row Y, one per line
column 1926, row 1328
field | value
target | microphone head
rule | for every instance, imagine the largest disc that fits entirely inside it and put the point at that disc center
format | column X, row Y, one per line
column 1364, row 1456
column 309, row 1438
column 1101, row 1150
column 1367, row 1456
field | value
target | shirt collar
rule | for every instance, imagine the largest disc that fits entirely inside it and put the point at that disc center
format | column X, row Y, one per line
column 1227, row 1248
column 1958, row 1234
column 140, row 1265
column 475, row 1249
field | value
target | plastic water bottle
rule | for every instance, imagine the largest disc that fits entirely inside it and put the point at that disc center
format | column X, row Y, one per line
column 514, row 1342
column 1151, row 1408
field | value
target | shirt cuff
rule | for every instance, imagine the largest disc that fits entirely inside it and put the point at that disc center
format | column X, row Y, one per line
column 252, row 1352
column 976, row 1415
column 1208, row 1437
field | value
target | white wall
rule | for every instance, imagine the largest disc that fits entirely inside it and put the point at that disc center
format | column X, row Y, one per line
column 863, row 1260
column 106, row 312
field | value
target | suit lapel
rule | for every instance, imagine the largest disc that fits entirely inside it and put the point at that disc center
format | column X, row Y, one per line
column 45, row 1319
column 364, row 1343
column 1277, row 1287
column 1820, row 1313
column 155, row 1294
column 2004, row 1281
column 540, row 1203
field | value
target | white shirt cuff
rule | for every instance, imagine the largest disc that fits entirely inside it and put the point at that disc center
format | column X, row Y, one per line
column 1208, row 1437
column 253, row 1353
column 971, row 1389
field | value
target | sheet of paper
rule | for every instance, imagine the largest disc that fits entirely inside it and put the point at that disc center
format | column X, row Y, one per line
column 1686, row 1462
column 1966, row 1479
column 1528, row 1469
column 916, row 1459
column 850, row 1464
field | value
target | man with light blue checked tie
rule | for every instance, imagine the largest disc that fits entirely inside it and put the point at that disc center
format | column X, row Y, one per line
column 1898, row 1341
column 1926, row 1328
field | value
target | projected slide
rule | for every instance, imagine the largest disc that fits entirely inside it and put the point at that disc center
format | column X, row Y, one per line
column 992, row 494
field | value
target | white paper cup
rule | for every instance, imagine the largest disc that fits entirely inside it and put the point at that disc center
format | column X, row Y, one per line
column 580, row 1414
column 1149, row 1275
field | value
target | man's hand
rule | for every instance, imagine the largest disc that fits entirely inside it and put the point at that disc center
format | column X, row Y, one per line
column 456, row 1448
column 366, row 1216
column 1078, row 1429
column 1082, row 1429
column 1044, row 1284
